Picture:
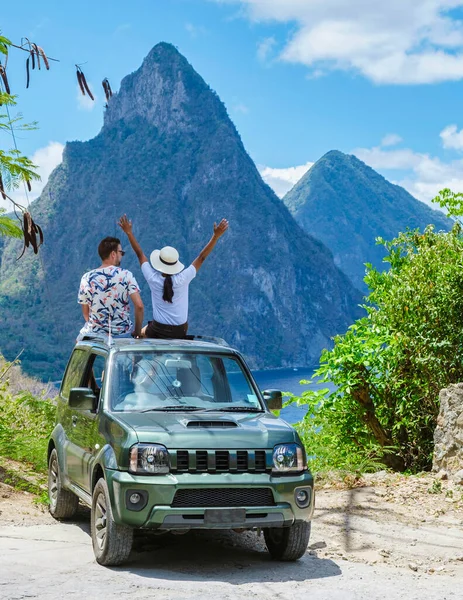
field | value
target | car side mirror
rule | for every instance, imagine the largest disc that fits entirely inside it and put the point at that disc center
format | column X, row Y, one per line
column 273, row 399
column 82, row 399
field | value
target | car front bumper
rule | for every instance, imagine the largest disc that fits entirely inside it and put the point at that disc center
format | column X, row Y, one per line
column 159, row 510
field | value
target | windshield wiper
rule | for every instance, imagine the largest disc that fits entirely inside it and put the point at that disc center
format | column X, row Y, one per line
column 169, row 408
column 235, row 409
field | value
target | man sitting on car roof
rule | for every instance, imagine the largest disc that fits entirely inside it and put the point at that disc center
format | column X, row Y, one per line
column 104, row 295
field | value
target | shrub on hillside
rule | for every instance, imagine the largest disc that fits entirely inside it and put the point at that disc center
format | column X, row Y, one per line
column 27, row 417
column 390, row 365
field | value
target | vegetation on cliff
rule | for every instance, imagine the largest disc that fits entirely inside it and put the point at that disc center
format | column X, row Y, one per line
column 27, row 416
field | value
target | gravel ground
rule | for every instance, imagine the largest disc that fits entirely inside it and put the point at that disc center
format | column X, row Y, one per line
column 390, row 536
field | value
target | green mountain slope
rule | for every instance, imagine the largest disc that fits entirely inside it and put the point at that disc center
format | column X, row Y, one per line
column 346, row 205
column 169, row 156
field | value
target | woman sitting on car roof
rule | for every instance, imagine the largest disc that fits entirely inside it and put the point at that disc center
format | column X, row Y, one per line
column 168, row 281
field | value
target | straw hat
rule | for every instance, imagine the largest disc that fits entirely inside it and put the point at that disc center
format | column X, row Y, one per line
column 166, row 261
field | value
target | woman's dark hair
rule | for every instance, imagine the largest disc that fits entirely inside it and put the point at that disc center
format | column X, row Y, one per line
column 168, row 293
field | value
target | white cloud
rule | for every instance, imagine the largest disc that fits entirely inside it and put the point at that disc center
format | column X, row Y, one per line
column 398, row 42
column 46, row 159
column 452, row 138
column 240, row 108
column 424, row 175
column 85, row 102
column 419, row 173
column 282, row 180
column 195, row 30
column 265, row 47
column 391, row 139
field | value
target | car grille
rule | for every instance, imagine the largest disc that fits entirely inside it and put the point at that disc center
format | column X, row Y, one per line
column 220, row 461
column 223, row 497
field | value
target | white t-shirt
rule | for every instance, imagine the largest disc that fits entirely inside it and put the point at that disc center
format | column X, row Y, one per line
column 165, row 312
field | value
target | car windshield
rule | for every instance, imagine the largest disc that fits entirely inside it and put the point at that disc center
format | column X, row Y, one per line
column 175, row 381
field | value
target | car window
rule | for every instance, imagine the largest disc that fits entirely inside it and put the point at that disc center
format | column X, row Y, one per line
column 144, row 380
column 74, row 373
column 95, row 373
column 238, row 382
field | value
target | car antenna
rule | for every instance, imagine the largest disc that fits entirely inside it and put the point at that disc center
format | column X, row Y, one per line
column 109, row 336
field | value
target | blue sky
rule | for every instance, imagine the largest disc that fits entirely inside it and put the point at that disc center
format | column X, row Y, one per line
column 298, row 77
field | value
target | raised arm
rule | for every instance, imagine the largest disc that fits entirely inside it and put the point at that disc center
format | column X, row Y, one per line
column 219, row 230
column 138, row 310
column 126, row 227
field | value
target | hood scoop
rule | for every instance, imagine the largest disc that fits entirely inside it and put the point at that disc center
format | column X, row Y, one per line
column 211, row 424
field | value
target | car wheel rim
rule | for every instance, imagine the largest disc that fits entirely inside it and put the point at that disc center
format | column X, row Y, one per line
column 100, row 521
column 53, row 482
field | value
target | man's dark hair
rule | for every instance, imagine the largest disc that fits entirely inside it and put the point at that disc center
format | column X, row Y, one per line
column 108, row 245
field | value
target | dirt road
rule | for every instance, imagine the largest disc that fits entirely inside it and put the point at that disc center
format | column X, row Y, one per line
column 393, row 539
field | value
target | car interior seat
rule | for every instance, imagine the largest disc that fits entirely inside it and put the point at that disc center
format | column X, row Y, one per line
column 190, row 382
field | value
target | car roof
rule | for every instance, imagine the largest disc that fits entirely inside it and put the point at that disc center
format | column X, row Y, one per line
column 198, row 343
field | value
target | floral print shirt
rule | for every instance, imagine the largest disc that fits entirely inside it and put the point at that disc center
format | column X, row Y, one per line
column 106, row 290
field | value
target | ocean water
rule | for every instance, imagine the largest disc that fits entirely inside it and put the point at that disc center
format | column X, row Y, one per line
column 288, row 380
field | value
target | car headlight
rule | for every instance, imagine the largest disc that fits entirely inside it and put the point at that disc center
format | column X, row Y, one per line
column 288, row 458
column 149, row 458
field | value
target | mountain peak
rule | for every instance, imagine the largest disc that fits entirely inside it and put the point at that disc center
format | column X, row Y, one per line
column 165, row 91
column 170, row 158
column 346, row 205
column 334, row 155
column 163, row 51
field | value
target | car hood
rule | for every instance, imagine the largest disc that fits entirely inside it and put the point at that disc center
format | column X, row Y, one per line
column 211, row 430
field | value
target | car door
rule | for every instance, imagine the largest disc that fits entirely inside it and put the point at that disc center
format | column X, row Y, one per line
column 74, row 377
column 83, row 441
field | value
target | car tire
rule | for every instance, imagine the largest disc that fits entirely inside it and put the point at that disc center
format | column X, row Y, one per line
column 288, row 543
column 63, row 504
column 112, row 543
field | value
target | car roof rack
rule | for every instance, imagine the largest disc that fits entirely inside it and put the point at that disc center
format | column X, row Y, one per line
column 200, row 338
column 99, row 338
column 208, row 338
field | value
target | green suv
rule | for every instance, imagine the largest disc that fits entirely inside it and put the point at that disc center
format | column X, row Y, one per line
column 175, row 435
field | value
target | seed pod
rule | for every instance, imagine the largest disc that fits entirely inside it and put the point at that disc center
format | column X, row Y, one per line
column 87, row 89
column 4, row 79
column 29, row 229
column 28, row 183
column 44, row 56
column 2, row 189
column 33, row 59
column 79, row 79
column 107, row 89
column 37, row 53
column 27, row 72
column 27, row 226
column 40, row 232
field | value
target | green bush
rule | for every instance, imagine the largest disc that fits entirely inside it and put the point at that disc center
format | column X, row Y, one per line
column 26, row 422
column 389, row 367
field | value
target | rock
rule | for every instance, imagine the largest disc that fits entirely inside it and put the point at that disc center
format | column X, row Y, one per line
column 448, row 435
column 442, row 475
column 458, row 477
column 413, row 566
